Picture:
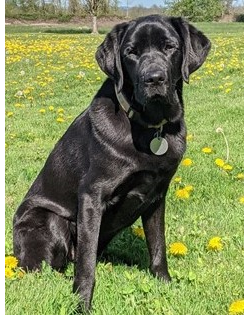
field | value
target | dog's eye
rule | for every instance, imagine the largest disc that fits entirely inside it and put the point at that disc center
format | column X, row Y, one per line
column 169, row 47
column 130, row 51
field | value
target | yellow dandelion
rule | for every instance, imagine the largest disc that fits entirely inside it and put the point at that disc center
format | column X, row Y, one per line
column 60, row 110
column 182, row 194
column 215, row 244
column 9, row 273
column 189, row 137
column 219, row 162
column 9, row 114
column 26, row 91
column 19, row 105
column 51, row 108
column 177, row 180
column 42, row 111
column 186, row 162
column 237, row 308
column 189, row 188
column 11, row 262
column 240, row 176
column 227, row 167
column 178, row 249
column 241, row 200
column 138, row 231
column 60, row 120
column 207, row 150
column 227, row 90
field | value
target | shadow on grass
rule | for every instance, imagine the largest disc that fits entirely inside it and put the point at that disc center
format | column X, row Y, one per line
column 127, row 249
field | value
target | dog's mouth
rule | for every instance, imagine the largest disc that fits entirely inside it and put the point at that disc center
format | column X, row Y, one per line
column 156, row 107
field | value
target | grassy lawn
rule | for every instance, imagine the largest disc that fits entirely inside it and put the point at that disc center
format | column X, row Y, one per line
column 50, row 78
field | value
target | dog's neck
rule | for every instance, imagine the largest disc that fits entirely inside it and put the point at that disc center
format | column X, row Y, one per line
column 133, row 114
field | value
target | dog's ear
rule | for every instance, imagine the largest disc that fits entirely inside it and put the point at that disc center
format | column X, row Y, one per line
column 108, row 54
column 195, row 49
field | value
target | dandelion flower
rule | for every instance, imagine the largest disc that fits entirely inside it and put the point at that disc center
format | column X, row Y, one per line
column 138, row 231
column 182, row 194
column 219, row 130
column 51, row 108
column 207, row 150
column 42, row 111
column 219, row 162
column 241, row 200
column 240, row 176
column 189, row 137
column 177, row 180
column 60, row 120
column 228, row 90
column 9, row 273
column 227, row 167
column 187, row 162
column 189, row 188
column 60, row 110
column 9, row 114
column 178, row 249
column 11, row 262
column 215, row 244
column 237, row 308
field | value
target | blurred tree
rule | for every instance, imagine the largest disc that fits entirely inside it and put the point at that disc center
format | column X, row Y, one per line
column 198, row 10
column 93, row 7
column 73, row 6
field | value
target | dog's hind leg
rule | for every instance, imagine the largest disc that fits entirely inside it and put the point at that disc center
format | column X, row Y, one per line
column 40, row 235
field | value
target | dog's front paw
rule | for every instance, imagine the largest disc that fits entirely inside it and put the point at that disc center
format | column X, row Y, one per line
column 85, row 298
column 164, row 277
column 161, row 273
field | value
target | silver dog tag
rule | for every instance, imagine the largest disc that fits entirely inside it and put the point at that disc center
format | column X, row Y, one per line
column 159, row 146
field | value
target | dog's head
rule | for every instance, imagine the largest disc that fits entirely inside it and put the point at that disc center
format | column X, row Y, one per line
column 148, row 58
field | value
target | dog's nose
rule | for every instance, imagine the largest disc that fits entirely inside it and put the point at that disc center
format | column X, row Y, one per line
column 154, row 78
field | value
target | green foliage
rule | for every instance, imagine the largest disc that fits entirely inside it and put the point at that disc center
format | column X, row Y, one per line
column 64, row 17
column 197, row 10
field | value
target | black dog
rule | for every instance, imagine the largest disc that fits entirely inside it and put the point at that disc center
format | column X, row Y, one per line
column 115, row 162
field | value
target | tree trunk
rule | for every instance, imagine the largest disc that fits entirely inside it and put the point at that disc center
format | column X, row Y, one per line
column 94, row 24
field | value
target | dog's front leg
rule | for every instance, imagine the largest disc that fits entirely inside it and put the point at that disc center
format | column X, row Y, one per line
column 154, row 229
column 88, row 227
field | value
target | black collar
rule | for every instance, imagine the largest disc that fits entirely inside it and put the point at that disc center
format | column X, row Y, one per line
column 133, row 114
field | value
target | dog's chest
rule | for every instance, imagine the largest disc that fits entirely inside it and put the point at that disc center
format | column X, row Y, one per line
column 134, row 196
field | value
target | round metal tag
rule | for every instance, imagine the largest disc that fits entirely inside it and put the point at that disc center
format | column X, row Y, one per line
column 159, row 146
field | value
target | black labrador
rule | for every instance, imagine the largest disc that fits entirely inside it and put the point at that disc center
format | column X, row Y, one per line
column 115, row 162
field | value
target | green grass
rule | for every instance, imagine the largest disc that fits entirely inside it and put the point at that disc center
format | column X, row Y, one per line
column 59, row 70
